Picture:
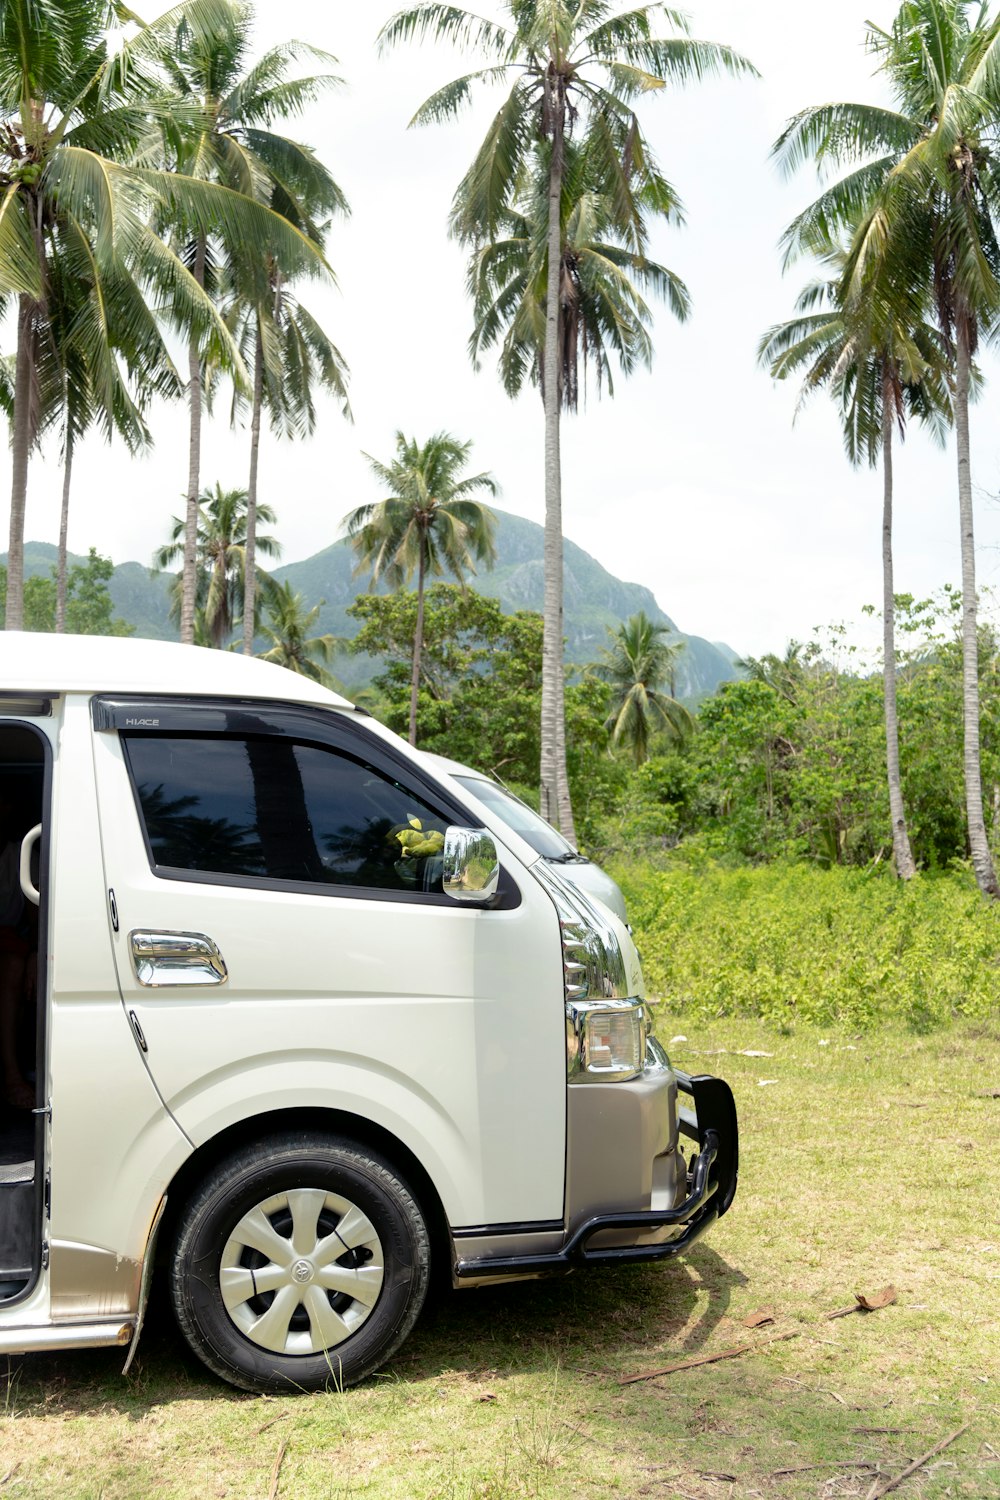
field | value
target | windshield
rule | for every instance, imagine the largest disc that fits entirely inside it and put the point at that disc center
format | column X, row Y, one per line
column 543, row 838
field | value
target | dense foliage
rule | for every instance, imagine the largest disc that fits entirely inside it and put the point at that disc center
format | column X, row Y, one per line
column 481, row 688
column 790, row 761
column 847, row 947
column 785, row 763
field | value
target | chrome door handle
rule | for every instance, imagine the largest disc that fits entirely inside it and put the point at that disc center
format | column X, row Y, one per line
column 176, row 958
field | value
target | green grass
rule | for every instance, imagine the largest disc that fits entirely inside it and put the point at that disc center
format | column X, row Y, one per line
column 865, row 1161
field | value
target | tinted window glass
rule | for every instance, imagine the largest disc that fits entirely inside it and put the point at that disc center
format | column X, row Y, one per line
column 278, row 810
column 368, row 830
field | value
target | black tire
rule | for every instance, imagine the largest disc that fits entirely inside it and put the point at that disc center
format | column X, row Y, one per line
column 333, row 1336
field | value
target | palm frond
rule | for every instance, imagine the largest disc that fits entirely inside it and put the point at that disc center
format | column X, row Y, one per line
column 450, row 23
column 842, row 133
column 20, row 271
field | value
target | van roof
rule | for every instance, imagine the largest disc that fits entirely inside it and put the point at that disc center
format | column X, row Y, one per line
column 36, row 663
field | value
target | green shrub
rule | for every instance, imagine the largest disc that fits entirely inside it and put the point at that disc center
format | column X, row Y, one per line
column 786, row 942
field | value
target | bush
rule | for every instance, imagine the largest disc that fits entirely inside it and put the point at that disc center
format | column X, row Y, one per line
column 785, row 942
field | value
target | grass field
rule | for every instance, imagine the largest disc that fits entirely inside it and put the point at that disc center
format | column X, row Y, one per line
column 865, row 1161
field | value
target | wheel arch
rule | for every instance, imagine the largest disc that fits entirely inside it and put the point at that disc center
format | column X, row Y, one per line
column 346, row 1126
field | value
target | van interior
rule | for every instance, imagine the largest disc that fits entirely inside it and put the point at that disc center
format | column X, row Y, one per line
column 22, row 984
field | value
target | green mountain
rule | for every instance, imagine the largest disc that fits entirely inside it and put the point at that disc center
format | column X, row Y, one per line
column 595, row 600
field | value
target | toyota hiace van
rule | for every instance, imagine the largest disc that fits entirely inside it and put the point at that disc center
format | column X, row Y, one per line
column 307, row 1018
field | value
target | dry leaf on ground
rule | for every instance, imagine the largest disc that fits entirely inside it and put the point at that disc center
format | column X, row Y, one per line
column 759, row 1318
column 863, row 1302
column 884, row 1298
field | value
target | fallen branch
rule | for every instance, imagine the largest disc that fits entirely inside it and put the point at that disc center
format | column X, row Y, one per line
column 862, row 1303
column 709, row 1359
column 833, row 1464
column 790, row 1380
column 10, row 1474
column 276, row 1471
column 265, row 1425
column 876, row 1493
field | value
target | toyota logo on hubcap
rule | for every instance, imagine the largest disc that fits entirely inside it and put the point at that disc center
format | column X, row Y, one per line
column 302, row 1272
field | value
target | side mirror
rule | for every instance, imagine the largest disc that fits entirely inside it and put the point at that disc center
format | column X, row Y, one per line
column 471, row 871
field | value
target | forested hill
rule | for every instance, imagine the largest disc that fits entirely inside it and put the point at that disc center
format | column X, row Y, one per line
column 594, row 599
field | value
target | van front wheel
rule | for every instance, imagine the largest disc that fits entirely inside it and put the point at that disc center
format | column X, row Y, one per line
column 301, row 1262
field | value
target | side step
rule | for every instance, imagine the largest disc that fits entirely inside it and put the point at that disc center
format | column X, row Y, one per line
column 68, row 1336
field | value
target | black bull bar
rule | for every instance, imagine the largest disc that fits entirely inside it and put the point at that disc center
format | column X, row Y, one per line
column 711, row 1189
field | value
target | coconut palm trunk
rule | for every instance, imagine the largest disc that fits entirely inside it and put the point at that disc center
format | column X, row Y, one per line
column 189, row 582
column 250, row 551
column 418, row 641
column 979, row 848
column 555, row 801
column 61, row 568
column 24, row 379
column 905, row 867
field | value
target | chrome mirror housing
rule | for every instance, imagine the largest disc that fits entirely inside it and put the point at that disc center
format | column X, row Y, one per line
column 471, row 870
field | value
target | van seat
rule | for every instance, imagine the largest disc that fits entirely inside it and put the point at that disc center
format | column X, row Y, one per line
column 17, row 1171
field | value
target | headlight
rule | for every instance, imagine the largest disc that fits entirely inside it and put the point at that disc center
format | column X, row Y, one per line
column 605, row 1042
column 605, row 1027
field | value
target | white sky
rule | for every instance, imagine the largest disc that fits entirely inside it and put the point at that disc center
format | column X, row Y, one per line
column 693, row 480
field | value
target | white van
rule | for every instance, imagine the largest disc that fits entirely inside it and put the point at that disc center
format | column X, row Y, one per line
column 305, row 1020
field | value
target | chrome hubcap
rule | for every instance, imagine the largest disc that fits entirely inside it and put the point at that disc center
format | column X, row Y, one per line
column 301, row 1271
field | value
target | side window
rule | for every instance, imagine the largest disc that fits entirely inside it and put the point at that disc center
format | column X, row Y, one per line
column 273, row 809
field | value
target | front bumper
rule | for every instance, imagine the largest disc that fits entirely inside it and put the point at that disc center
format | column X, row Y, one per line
column 711, row 1187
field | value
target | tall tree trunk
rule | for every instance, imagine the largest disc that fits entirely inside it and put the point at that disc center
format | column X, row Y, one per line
column 61, row 569
column 189, row 582
column 979, row 848
column 220, row 626
column 905, row 867
column 418, row 643
column 250, row 550
column 555, row 803
column 20, row 448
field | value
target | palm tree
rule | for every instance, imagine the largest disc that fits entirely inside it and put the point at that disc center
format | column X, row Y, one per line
column 287, row 628
column 233, row 104
column 70, row 112
column 782, row 673
column 75, row 182
column 428, row 524
column 222, row 527
column 604, row 317
column 564, row 60
column 880, row 361
column 636, row 667
column 291, row 356
column 925, row 180
column 94, row 373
